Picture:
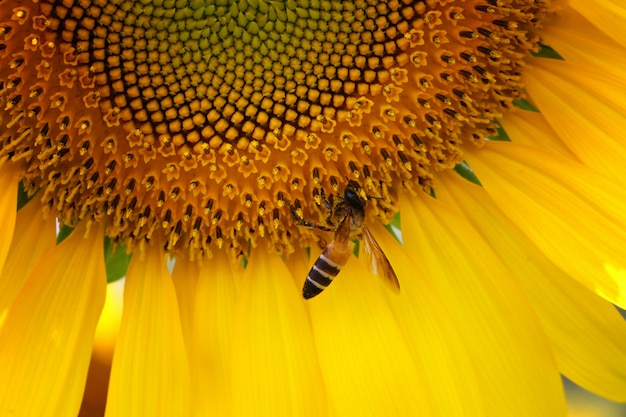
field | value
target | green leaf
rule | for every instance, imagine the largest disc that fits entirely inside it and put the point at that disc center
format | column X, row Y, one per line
column 524, row 104
column 116, row 260
column 464, row 170
column 394, row 227
column 357, row 244
column 395, row 222
column 501, row 136
column 64, row 232
column 245, row 256
column 22, row 196
column 546, row 51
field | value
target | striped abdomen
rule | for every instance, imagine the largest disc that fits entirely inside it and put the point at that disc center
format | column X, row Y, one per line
column 325, row 268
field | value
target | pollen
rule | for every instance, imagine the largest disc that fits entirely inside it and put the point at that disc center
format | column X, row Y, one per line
column 199, row 124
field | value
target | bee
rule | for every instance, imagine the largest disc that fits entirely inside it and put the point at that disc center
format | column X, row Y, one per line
column 349, row 215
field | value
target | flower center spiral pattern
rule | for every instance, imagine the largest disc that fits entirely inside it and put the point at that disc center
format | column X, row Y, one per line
column 199, row 123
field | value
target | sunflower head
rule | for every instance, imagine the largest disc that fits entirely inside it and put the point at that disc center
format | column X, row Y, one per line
column 198, row 124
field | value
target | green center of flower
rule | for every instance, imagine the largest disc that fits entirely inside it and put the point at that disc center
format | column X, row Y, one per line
column 200, row 123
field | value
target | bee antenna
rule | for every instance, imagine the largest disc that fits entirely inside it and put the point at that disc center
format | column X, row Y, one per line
column 352, row 183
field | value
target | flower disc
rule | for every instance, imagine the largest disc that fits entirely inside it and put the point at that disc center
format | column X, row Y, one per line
column 200, row 123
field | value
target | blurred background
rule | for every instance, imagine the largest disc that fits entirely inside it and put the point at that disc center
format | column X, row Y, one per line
column 582, row 403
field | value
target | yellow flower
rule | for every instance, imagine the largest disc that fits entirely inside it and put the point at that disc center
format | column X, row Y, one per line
column 213, row 132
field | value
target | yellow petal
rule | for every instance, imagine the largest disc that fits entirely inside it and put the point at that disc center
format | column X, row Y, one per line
column 511, row 354
column 211, row 338
column 9, row 181
column 367, row 365
column 573, row 215
column 275, row 371
column 586, row 332
column 583, row 44
column 531, row 128
column 185, row 278
column 608, row 15
column 585, row 115
column 150, row 375
column 299, row 262
column 46, row 340
column 34, row 236
column 432, row 335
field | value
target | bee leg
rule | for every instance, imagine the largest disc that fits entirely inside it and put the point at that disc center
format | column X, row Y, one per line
column 326, row 201
column 306, row 223
column 329, row 220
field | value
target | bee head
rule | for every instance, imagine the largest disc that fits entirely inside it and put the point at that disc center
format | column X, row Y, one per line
column 355, row 194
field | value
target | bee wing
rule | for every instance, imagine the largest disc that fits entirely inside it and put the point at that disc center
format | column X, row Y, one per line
column 377, row 260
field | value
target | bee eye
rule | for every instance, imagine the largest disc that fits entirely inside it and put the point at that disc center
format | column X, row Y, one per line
column 350, row 195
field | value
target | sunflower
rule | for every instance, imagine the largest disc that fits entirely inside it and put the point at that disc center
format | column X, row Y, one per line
column 207, row 150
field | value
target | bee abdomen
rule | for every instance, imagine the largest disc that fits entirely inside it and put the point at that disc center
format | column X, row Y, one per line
column 320, row 276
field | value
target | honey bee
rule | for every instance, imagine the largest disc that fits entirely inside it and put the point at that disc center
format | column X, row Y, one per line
column 349, row 214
